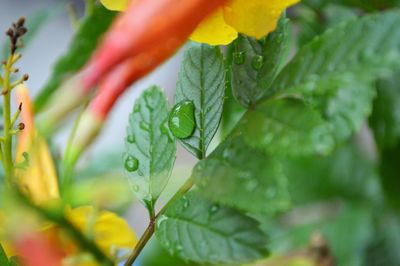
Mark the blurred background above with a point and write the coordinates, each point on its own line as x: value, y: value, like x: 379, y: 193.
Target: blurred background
x: 50, y: 42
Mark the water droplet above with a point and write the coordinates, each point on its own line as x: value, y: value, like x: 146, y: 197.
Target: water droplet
x: 271, y: 192
x: 239, y: 58
x: 130, y: 139
x: 258, y: 62
x: 178, y: 247
x: 251, y: 185
x: 136, y: 108
x: 131, y: 164
x: 181, y: 120
x: 135, y: 188
x: 214, y: 208
x: 164, y: 130
x: 160, y: 220
x: 185, y: 202
x: 144, y: 126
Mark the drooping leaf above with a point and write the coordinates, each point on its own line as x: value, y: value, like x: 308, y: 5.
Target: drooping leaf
x: 385, y: 119
x: 334, y: 72
x: 201, y: 81
x: 238, y: 176
x: 150, y: 147
x: 256, y: 63
x: 200, y: 231
x: 286, y: 127
x: 81, y: 48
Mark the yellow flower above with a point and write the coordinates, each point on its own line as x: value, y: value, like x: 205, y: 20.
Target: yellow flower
x: 115, y: 5
x: 254, y: 18
x: 110, y: 232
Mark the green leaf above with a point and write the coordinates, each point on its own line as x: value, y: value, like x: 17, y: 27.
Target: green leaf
x: 386, y: 244
x: 200, y: 231
x: 286, y: 127
x: 201, y: 81
x: 238, y: 176
x: 390, y: 176
x: 3, y: 257
x: 347, y: 229
x: 335, y: 70
x: 385, y: 119
x: 150, y: 148
x: 256, y: 63
x: 79, y: 51
x: 346, y: 174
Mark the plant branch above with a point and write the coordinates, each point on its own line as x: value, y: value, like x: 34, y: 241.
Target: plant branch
x: 151, y: 227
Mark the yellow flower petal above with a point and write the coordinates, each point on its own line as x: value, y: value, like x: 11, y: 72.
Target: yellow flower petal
x: 116, y: 5
x: 110, y: 232
x: 213, y: 30
x: 255, y: 18
x: 39, y: 179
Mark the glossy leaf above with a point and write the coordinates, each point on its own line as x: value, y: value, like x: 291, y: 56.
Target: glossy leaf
x: 80, y: 49
x: 286, y: 127
x: 150, y: 148
x: 199, y: 231
x: 385, y: 119
x: 256, y: 63
x: 238, y: 176
x: 201, y: 81
x: 334, y: 72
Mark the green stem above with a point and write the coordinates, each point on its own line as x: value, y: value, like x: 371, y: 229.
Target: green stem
x: 7, y: 144
x: 90, y: 5
x: 69, y: 166
x: 151, y: 227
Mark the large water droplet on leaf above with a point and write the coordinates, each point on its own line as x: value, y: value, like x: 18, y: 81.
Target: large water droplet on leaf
x: 258, y: 62
x: 181, y: 120
x: 239, y: 58
x: 131, y: 163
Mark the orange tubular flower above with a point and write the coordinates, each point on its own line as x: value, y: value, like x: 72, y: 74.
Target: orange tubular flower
x: 145, y: 25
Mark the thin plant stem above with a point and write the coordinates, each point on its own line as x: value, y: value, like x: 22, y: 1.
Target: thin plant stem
x: 148, y: 233
x: 69, y: 167
x: 7, y: 143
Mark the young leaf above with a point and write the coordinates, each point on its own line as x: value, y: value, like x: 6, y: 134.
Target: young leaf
x: 351, y: 55
x: 286, y: 127
x: 385, y: 119
x: 150, y: 148
x: 79, y: 51
x: 238, y: 176
x: 200, y: 231
x: 201, y: 81
x: 256, y: 63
